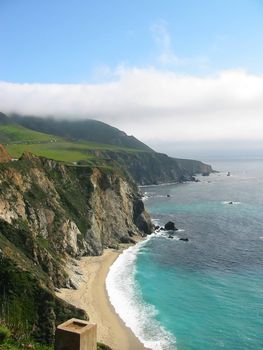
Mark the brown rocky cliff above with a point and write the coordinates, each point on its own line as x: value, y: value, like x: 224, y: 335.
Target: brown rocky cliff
x: 51, y: 214
x: 115, y: 215
x: 60, y: 212
x: 4, y: 155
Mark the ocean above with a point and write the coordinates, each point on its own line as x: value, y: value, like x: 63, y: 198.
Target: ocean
x: 206, y: 293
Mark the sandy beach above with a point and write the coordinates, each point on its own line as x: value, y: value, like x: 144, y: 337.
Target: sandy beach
x: 93, y: 298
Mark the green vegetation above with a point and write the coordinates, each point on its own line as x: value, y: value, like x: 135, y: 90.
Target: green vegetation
x: 101, y: 346
x: 86, y: 130
x: 63, y: 151
x: 12, y: 345
x: 28, y: 308
x: 30, y: 344
x: 5, y: 334
x: 64, y: 140
x: 10, y: 341
x: 18, y: 134
x: 18, y: 139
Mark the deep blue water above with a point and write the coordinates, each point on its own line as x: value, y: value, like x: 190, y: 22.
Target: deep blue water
x: 206, y: 293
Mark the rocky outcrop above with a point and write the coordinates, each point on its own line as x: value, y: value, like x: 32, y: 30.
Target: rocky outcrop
x: 141, y: 218
x: 170, y: 226
x: 72, y: 211
x: 51, y: 213
x: 147, y: 168
x: 114, y: 211
x: 193, y: 167
x: 184, y: 239
x: 4, y: 156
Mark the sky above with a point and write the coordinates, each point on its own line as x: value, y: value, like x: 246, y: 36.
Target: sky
x: 185, y: 77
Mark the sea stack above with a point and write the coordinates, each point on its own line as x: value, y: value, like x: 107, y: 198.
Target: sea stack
x: 170, y: 226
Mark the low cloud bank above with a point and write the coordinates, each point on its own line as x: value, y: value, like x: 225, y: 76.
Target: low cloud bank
x: 154, y: 105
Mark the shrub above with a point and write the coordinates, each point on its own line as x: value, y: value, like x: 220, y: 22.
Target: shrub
x: 4, y: 334
x: 101, y: 346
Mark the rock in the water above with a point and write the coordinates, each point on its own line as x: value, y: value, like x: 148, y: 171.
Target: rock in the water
x: 170, y: 226
x: 184, y: 239
x: 170, y: 236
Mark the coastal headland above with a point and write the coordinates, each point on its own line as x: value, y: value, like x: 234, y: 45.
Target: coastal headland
x: 61, y: 201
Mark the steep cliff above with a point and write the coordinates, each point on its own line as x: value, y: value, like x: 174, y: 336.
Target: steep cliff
x: 148, y: 168
x: 50, y: 214
x: 193, y: 167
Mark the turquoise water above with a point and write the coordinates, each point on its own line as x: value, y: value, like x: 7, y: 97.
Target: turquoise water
x: 206, y: 293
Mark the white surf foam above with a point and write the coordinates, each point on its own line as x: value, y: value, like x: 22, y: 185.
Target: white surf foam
x: 231, y: 202
x: 145, y: 196
x: 155, y: 221
x: 128, y: 303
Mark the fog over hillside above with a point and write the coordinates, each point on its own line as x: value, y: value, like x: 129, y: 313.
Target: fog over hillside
x: 173, y: 113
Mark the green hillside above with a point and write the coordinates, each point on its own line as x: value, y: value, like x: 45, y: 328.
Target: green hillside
x: 18, y: 134
x: 18, y: 139
x: 71, y: 147
x: 62, y: 150
x: 88, y: 130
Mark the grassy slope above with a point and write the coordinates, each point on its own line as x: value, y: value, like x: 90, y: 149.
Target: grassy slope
x: 87, y: 130
x: 15, y: 133
x: 18, y: 139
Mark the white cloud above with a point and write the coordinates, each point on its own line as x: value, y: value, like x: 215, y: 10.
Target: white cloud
x: 153, y: 105
x: 163, y: 39
x: 167, y: 56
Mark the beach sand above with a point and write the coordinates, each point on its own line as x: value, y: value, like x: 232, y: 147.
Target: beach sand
x: 93, y: 298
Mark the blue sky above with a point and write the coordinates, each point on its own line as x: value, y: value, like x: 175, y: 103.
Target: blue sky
x: 66, y: 41
x: 184, y: 76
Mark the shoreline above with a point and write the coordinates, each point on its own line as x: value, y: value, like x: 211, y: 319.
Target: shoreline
x: 92, y: 296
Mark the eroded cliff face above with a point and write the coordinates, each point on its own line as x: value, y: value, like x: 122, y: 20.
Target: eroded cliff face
x: 67, y: 211
x: 147, y: 168
x: 114, y: 217
x: 51, y: 213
